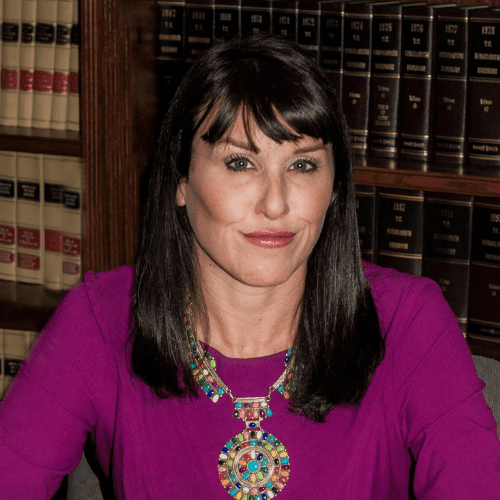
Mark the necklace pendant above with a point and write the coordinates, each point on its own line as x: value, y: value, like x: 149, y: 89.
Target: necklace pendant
x: 253, y: 465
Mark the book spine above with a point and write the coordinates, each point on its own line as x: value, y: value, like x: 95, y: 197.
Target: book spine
x: 417, y: 85
x: 8, y: 215
x: 29, y: 219
x: 11, y: 50
x: 401, y: 230
x: 14, y: 347
x: 45, y: 50
x: 357, y: 73
x: 256, y: 16
x: 170, y: 49
x: 385, y: 83
x: 72, y: 222
x: 308, y: 26
x: 1, y: 50
x: 199, y: 27
x: 451, y: 87
x: 285, y: 18
x: 331, y: 52
x: 366, y: 208
x: 73, y: 105
x: 27, y: 62
x: 484, y: 302
x: 227, y: 19
x: 484, y: 89
x: 60, y: 88
x: 447, y: 252
x: 53, y: 179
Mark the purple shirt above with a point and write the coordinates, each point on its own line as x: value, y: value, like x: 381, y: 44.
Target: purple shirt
x: 425, y: 401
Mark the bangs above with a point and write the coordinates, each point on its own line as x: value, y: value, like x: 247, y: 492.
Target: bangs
x: 285, y: 103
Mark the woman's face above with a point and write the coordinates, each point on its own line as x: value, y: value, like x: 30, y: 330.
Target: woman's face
x: 256, y: 216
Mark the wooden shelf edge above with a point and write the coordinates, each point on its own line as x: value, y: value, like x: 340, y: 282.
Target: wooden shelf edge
x: 25, y: 306
x: 421, y: 176
x: 41, y: 141
x: 484, y: 347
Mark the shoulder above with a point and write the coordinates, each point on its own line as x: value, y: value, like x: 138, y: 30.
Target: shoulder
x: 403, y: 300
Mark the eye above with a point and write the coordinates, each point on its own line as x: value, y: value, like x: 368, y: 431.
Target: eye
x: 304, y: 165
x: 237, y: 163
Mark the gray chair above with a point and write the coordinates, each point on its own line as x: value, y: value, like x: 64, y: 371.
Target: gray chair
x: 87, y: 482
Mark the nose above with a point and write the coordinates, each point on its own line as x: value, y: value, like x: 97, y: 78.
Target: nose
x: 273, y: 197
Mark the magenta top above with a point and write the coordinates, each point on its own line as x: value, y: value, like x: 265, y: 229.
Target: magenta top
x: 425, y: 403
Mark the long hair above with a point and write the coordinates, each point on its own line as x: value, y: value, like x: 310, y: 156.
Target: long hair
x: 338, y: 344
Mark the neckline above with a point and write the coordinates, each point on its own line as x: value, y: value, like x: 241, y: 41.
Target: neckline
x: 262, y: 360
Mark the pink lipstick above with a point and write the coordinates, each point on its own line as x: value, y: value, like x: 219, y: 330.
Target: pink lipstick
x: 270, y: 238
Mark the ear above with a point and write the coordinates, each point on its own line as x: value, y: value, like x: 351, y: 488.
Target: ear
x: 181, y: 193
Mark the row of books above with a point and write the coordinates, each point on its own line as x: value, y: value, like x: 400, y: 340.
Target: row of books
x: 417, y: 81
x: 14, y: 347
x: 40, y: 219
x: 39, y: 58
x: 451, y: 238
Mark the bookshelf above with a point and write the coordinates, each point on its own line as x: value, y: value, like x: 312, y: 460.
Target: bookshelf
x: 120, y: 98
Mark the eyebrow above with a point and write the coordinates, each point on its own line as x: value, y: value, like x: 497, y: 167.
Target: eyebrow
x: 246, y: 146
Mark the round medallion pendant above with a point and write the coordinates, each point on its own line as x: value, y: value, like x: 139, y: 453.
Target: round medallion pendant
x: 254, y: 465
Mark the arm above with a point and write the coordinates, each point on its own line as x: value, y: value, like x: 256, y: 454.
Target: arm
x: 53, y: 402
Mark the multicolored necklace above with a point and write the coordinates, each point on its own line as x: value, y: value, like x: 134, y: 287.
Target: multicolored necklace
x: 253, y: 465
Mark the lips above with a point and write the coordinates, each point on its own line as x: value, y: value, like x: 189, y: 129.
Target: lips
x: 270, y: 238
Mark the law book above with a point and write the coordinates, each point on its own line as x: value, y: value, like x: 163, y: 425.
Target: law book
x: 447, y: 252
x: 418, y: 80
x: 227, y: 19
x: 308, y: 27
x: 199, y: 27
x: 72, y: 222
x: 53, y: 183
x: 484, y: 88
x: 400, y: 237
x: 26, y: 62
x: 14, y: 347
x: 45, y: 49
x: 452, y: 70
x: 170, y: 49
x: 256, y: 16
x: 331, y: 51
x: 1, y: 44
x: 484, y: 301
x: 11, y: 51
x: 285, y: 17
x: 385, y: 85
x: 60, y: 88
x: 357, y: 72
x: 29, y: 219
x: 73, y: 106
x: 8, y: 215
x: 366, y: 209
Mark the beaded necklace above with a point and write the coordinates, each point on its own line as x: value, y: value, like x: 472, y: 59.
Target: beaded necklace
x: 253, y: 465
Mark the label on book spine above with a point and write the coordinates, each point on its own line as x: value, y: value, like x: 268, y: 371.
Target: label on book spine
x: 256, y: 16
x: 484, y: 88
x: 199, y: 27
x: 366, y: 213
x: 308, y: 26
x: 170, y: 25
x: 227, y: 18
x: 285, y: 17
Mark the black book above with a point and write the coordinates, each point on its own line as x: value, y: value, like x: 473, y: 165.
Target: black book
x: 331, y: 50
x: 366, y: 208
x: 400, y: 238
x: 284, y: 18
x: 385, y: 86
x: 256, y: 16
x: 308, y: 27
x: 447, y: 252
x: 227, y: 18
x: 199, y: 27
x: 484, y: 299
x: 452, y: 61
x: 417, y: 86
x: 484, y: 88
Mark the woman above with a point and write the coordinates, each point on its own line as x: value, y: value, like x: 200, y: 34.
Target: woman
x: 249, y: 352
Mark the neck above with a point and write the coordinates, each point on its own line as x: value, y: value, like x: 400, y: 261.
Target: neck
x: 250, y: 322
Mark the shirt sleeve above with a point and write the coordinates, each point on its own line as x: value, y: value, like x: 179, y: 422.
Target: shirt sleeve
x: 447, y: 426
x: 53, y: 402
